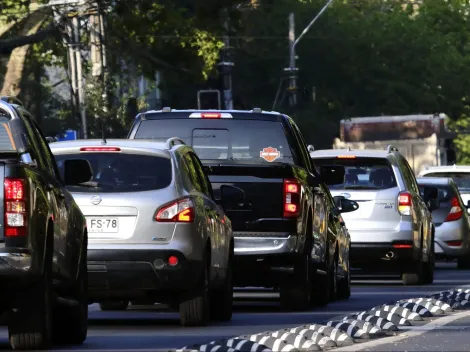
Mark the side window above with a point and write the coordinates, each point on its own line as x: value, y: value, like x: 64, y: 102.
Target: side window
x: 408, y: 175
x: 192, y: 173
x: 47, y: 154
x: 35, y: 149
x: 304, y: 151
x: 206, y: 185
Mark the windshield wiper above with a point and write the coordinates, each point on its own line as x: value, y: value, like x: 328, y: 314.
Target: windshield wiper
x: 360, y: 187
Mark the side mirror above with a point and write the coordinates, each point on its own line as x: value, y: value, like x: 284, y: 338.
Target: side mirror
x: 431, y: 197
x: 332, y: 174
x: 77, y: 171
x: 231, y: 195
x: 345, y: 205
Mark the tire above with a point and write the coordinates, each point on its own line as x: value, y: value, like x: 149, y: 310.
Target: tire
x: 30, y: 325
x: 71, y: 322
x: 344, y: 287
x: 321, y: 288
x: 196, y: 311
x: 296, y: 293
x: 221, y: 299
x: 334, y: 281
x: 463, y: 263
x: 428, y: 270
x: 109, y: 306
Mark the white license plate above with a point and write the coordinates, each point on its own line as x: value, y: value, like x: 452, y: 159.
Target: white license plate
x: 102, y: 225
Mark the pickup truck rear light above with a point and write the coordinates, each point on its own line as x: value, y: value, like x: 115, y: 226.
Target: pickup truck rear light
x: 456, y: 243
x: 14, y: 207
x: 292, y: 190
x: 455, y: 212
x: 404, y: 203
x: 210, y: 115
x: 179, y: 211
x: 100, y: 149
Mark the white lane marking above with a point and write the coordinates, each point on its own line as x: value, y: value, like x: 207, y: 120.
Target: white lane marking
x: 438, y: 323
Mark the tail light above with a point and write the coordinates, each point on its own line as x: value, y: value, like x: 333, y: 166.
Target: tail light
x: 100, y: 149
x: 404, y: 203
x: 455, y: 212
x: 456, y: 243
x: 291, y: 198
x: 15, y: 207
x: 180, y: 211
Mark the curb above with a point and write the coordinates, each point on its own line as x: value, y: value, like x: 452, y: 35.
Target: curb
x: 343, y: 333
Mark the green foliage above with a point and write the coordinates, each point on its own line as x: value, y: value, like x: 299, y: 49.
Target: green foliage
x: 12, y: 10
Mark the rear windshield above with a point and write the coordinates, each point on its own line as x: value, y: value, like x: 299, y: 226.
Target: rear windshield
x: 118, y: 172
x: 224, y: 139
x: 362, y: 173
x: 445, y: 192
x: 461, y: 179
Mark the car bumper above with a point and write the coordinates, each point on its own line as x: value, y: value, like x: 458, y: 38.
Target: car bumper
x: 18, y: 266
x: 131, y: 272
x: 452, y: 231
x: 380, y: 257
x: 264, y: 243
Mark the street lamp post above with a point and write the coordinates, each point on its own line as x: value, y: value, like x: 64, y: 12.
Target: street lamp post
x: 292, y: 69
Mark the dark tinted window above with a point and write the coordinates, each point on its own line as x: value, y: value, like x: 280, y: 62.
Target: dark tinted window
x: 224, y: 139
x: 362, y: 173
x: 119, y: 172
x: 461, y: 179
x: 445, y: 192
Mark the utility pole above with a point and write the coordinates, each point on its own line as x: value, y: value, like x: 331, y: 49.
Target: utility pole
x: 80, y: 90
x: 226, y: 65
x: 72, y: 67
x: 292, y: 69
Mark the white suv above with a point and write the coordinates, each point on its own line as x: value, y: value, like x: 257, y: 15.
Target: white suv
x: 392, y: 231
x: 460, y: 174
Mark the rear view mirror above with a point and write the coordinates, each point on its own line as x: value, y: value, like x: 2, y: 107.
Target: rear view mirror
x: 77, y: 171
x: 345, y: 205
x: 332, y: 174
x: 230, y: 195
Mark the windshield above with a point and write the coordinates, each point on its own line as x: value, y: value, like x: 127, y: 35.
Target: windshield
x: 362, y: 173
x: 461, y: 179
x: 224, y: 139
x: 121, y: 172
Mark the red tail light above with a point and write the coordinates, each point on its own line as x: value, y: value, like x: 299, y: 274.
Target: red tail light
x: 291, y: 198
x: 457, y: 243
x: 404, y: 203
x: 455, y: 212
x: 211, y: 115
x: 100, y: 149
x: 180, y: 211
x: 15, y: 207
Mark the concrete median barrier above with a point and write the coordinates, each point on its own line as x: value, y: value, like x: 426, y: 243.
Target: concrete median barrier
x: 354, y: 328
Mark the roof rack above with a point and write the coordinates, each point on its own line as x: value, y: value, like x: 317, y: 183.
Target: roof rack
x: 12, y: 100
x: 257, y: 110
x: 8, y: 109
x: 166, y: 109
x: 391, y: 149
x: 171, y: 142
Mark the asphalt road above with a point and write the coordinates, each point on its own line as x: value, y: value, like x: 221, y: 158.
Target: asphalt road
x: 154, y: 328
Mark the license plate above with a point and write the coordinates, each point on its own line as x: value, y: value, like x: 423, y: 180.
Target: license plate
x: 102, y: 225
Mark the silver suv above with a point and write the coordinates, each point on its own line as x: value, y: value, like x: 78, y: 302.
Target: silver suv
x: 392, y: 231
x: 155, y: 232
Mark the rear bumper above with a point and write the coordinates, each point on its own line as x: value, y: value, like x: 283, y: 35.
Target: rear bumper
x: 18, y: 267
x: 264, y: 243
x: 380, y: 257
x: 452, y: 231
x: 131, y: 273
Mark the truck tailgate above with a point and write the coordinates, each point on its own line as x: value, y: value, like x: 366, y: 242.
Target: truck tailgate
x: 262, y: 209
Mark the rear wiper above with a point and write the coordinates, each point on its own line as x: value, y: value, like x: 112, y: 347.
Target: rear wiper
x: 359, y: 187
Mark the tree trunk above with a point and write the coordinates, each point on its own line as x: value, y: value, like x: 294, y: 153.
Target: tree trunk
x: 16, y: 62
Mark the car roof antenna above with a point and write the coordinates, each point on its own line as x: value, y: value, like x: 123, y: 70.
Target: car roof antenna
x: 103, y: 135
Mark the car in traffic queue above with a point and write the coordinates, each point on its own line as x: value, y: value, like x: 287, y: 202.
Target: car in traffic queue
x: 155, y: 231
x: 43, y: 237
x: 452, y: 238
x: 392, y: 232
x: 460, y: 174
x: 288, y: 231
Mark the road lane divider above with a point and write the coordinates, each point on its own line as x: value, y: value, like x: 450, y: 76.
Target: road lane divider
x: 353, y: 330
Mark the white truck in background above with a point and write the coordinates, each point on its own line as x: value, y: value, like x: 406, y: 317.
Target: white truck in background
x: 423, y: 140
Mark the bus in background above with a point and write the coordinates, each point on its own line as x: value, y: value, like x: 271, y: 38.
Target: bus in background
x: 424, y: 140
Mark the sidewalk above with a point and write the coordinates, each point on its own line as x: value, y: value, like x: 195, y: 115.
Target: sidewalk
x: 450, y: 334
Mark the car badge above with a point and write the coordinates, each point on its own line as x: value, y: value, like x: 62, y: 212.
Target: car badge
x: 95, y: 200
x: 345, y: 195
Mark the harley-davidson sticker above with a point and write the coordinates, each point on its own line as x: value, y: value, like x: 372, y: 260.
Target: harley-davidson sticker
x: 270, y: 154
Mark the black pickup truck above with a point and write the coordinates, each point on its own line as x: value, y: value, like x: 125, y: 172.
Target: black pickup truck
x: 288, y: 230
x: 43, y: 238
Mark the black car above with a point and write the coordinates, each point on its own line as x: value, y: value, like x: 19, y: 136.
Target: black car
x: 288, y: 231
x: 43, y: 238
